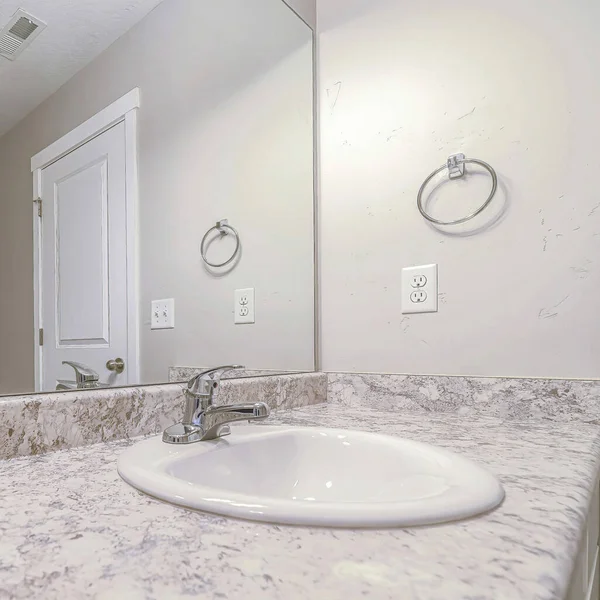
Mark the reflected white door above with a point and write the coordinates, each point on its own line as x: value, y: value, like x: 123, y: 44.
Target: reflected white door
x: 84, y: 260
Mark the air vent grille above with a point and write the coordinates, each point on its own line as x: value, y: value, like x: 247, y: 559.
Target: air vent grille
x: 9, y: 44
x: 23, y: 28
x: 19, y: 32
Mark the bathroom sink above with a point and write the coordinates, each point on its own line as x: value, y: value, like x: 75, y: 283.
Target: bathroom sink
x: 313, y: 476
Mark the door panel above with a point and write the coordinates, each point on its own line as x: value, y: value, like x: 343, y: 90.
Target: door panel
x: 82, y: 250
x: 84, y: 267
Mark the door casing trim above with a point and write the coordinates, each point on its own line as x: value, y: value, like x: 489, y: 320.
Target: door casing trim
x: 124, y: 110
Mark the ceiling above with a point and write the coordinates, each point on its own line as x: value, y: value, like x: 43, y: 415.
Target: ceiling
x: 77, y: 32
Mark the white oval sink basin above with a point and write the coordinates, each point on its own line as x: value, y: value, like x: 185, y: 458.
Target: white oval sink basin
x: 313, y: 476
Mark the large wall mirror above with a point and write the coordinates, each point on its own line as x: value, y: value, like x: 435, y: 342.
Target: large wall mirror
x: 136, y: 137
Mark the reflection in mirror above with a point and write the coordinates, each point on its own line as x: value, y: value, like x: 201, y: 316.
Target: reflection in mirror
x: 153, y: 127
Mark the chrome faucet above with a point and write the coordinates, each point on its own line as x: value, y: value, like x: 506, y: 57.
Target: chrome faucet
x: 202, y: 420
x: 85, y: 378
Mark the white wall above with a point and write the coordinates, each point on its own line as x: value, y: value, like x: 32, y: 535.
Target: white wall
x: 224, y: 131
x: 404, y: 85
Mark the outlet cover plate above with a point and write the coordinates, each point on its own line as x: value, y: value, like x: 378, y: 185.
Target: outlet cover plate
x: 420, y: 289
x: 163, y: 314
x: 243, y: 310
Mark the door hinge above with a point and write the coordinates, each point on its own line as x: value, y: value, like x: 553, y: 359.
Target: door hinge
x: 41, y: 337
x: 39, y: 205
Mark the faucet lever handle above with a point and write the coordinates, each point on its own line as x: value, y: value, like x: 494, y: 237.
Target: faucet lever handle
x: 219, y: 371
x: 205, y: 382
x: 83, y: 373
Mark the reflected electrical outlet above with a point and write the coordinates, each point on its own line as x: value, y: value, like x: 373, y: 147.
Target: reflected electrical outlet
x: 163, y: 314
x: 244, y: 306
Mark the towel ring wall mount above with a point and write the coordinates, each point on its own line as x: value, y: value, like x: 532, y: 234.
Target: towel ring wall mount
x: 456, y: 170
x: 224, y: 228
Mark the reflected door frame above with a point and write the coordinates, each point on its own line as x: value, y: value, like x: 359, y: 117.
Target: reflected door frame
x: 122, y: 110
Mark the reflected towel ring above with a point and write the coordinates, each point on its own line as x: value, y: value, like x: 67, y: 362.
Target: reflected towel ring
x: 456, y: 169
x: 222, y: 227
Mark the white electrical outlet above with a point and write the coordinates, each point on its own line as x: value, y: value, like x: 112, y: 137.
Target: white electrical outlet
x: 163, y: 314
x: 418, y: 297
x: 244, y: 306
x: 418, y: 281
x: 420, y: 289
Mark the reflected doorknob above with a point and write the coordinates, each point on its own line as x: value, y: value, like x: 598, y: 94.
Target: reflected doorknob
x: 117, y: 365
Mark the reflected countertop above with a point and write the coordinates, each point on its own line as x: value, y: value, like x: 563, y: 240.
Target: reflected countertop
x: 71, y: 528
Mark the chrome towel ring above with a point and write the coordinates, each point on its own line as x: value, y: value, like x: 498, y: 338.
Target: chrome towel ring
x: 456, y: 169
x: 223, y: 228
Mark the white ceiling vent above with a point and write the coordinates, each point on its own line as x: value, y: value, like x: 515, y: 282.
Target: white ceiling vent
x: 21, y: 30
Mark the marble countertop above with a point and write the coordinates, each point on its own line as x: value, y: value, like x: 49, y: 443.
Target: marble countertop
x: 71, y: 528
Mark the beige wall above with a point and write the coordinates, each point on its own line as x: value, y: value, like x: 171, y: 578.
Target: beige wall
x: 203, y: 69
x: 16, y: 266
x: 404, y: 85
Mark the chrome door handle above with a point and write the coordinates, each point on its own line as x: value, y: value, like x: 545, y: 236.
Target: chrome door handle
x: 117, y: 365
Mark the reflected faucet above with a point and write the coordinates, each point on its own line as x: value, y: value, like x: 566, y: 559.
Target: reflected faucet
x: 85, y: 378
x: 202, y: 421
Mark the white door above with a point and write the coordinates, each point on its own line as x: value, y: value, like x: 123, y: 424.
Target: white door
x: 84, y: 261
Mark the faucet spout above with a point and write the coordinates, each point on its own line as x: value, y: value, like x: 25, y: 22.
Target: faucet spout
x: 215, y: 420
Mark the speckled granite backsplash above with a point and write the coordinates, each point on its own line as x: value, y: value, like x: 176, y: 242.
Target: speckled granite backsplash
x: 45, y: 422
x: 184, y: 374
x: 552, y: 399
